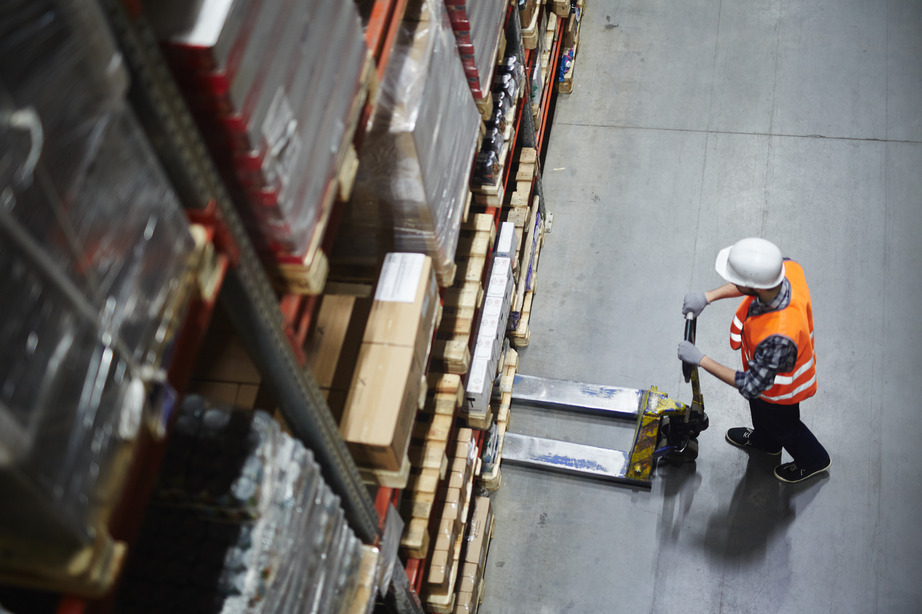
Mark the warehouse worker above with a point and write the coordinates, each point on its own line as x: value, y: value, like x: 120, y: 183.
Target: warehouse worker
x: 773, y: 327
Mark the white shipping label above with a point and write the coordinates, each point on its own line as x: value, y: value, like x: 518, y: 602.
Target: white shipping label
x: 400, y: 278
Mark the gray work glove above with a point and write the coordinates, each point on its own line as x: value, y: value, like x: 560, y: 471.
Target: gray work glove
x: 694, y: 303
x: 689, y: 353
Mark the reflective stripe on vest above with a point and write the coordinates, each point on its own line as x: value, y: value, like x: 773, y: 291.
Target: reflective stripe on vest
x: 794, y: 322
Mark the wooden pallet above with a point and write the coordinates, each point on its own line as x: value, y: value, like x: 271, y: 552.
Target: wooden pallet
x: 363, y: 590
x: 491, y: 478
x: 571, y: 41
x: 529, y: 16
x: 470, y: 585
x: 445, y: 551
x: 522, y: 333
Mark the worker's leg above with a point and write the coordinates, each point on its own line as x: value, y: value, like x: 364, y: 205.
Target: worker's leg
x: 782, y: 424
x: 763, y: 426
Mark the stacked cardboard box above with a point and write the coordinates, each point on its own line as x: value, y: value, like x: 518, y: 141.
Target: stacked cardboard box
x: 451, y: 351
x: 332, y: 347
x: 474, y: 557
x: 411, y: 187
x: 491, y: 331
x: 388, y: 386
x: 442, y: 574
x: 275, y: 107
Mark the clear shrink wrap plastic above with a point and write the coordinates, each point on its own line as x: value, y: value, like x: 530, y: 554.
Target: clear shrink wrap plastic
x: 486, y: 17
x: 242, y: 521
x: 414, y: 165
x: 94, y: 251
x: 272, y: 102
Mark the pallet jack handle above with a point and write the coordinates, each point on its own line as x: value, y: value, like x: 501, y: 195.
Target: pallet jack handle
x: 690, y: 328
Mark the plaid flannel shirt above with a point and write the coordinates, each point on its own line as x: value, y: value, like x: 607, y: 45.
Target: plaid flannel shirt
x: 776, y: 354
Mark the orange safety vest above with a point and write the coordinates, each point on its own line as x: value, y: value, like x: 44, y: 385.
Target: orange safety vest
x: 794, y: 322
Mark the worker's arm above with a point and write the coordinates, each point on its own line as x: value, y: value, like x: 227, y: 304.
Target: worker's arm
x: 695, y: 302
x: 689, y: 352
x: 727, y: 290
x: 721, y: 372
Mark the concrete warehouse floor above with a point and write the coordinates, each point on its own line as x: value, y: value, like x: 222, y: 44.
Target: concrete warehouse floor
x: 694, y: 124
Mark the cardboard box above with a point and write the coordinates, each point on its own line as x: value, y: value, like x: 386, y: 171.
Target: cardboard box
x: 381, y: 406
x: 468, y: 577
x: 405, y: 305
x: 478, y: 531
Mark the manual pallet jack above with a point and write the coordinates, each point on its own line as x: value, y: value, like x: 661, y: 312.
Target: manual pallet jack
x: 666, y: 430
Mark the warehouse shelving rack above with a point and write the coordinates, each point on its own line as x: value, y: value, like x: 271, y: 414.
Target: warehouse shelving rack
x: 270, y: 328
x: 273, y: 330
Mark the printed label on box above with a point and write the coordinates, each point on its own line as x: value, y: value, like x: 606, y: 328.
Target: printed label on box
x: 492, y: 306
x: 400, y: 278
x: 280, y: 129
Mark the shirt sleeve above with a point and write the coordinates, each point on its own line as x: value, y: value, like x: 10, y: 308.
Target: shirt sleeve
x: 776, y: 354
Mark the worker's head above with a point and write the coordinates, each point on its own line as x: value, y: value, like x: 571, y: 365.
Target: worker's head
x: 752, y: 263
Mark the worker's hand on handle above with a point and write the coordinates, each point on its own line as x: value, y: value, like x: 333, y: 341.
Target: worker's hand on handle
x: 694, y: 303
x: 689, y: 353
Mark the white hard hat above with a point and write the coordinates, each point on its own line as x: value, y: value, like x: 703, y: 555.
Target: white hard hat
x: 751, y: 263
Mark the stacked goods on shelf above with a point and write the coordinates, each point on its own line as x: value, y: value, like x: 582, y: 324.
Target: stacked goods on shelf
x: 242, y: 521
x: 224, y: 372
x: 491, y: 331
x: 474, y: 557
x: 96, y: 270
x: 333, y: 345
x: 529, y: 12
x: 477, y: 25
x: 276, y: 109
x: 411, y: 187
x: 388, y: 385
x: 492, y: 451
x: 499, y: 138
x: 451, y: 350
x: 542, y: 75
x: 569, y: 45
x: 527, y: 275
x: 453, y: 511
x: 429, y: 456
x: 451, y: 357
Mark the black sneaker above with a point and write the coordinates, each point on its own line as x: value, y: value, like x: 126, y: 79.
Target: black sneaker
x: 791, y: 473
x: 739, y: 436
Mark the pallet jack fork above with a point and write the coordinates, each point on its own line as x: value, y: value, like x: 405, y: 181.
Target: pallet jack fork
x: 666, y: 430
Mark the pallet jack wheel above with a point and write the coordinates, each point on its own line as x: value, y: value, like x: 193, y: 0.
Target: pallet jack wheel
x: 688, y: 455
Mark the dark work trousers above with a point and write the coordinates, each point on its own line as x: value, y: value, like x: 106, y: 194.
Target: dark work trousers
x: 774, y: 424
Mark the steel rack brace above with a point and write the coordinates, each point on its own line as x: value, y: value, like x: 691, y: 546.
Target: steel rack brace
x: 248, y: 297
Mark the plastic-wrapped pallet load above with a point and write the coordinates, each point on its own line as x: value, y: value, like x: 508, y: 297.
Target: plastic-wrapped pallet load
x: 414, y: 166
x: 241, y: 522
x: 93, y: 269
x: 477, y: 25
x: 273, y: 87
